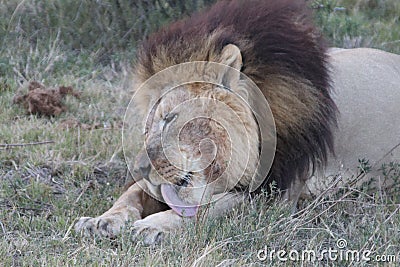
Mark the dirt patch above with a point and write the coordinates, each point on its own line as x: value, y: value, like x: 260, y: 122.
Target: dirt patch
x: 71, y: 123
x: 44, y: 101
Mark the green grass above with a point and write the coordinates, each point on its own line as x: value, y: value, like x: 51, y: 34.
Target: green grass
x: 45, y: 188
x: 360, y: 23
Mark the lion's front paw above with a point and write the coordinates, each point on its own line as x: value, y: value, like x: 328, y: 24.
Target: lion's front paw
x: 107, y: 226
x: 151, y: 234
x: 153, y: 228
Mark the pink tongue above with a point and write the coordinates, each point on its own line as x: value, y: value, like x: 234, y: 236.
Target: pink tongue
x: 169, y: 193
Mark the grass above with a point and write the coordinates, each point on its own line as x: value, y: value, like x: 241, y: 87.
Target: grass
x: 360, y: 23
x: 45, y: 188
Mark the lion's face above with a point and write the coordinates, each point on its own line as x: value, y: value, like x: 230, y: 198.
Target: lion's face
x: 201, y: 137
x: 185, y: 142
x: 191, y: 135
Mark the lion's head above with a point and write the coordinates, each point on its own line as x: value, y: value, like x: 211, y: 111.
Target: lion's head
x: 201, y: 138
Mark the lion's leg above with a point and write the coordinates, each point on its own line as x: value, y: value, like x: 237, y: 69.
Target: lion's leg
x: 153, y: 227
x: 133, y: 205
x: 293, y: 193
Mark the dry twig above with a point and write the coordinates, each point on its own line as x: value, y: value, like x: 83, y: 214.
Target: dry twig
x: 8, y: 146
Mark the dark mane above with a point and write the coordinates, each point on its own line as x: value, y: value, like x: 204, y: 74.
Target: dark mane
x: 279, y: 45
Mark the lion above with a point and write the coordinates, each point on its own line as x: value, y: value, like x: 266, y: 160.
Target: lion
x: 195, y: 132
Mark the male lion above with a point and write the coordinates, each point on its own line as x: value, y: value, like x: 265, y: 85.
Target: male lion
x: 195, y: 132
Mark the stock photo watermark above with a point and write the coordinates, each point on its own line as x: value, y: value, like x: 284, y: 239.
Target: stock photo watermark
x: 340, y: 252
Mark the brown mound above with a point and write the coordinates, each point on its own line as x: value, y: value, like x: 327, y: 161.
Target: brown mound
x: 43, y: 101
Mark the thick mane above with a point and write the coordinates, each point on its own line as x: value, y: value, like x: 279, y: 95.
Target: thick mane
x: 282, y: 53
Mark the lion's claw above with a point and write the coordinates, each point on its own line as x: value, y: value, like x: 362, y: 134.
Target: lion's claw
x: 103, y: 226
x: 149, y: 234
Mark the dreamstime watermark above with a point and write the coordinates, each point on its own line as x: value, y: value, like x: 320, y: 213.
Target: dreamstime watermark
x: 340, y: 252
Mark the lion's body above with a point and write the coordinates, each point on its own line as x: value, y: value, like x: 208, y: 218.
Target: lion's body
x: 272, y: 42
x: 366, y: 91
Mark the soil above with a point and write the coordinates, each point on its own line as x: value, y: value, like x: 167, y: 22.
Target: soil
x: 44, y: 101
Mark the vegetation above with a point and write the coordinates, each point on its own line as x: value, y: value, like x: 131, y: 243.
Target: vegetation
x: 360, y: 23
x: 45, y: 187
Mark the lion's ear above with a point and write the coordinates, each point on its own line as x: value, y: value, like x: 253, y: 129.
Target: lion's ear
x: 232, y: 57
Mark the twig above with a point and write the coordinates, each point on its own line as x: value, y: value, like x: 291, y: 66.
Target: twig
x: 7, y: 146
x: 388, y: 153
x: 86, y: 187
x: 3, y: 228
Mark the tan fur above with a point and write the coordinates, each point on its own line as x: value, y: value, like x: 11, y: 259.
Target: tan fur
x: 367, y: 93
